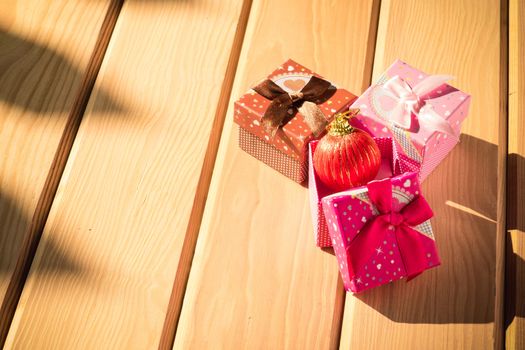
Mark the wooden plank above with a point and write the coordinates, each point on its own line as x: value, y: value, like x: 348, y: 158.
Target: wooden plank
x: 452, y: 306
x: 31, y: 237
x: 192, y: 231
x: 124, y: 202
x: 515, y: 278
x: 45, y: 56
x: 257, y: 278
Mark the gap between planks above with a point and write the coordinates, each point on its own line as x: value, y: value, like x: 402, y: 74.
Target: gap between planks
x: 514, y: 273
x: 190, y: 239
x: 501, y: 204
x: 32, y: 237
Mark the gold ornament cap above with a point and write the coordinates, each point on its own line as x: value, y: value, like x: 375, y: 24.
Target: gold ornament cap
x: 340, y: 126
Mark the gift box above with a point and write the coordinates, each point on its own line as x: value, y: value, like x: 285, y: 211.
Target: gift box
x: 381, y: 232
x: 279, y: 117
x: 317, y: 190
x: 419, y: 111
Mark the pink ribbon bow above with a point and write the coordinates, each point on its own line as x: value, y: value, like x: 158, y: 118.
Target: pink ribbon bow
x: 409, y: 241
x: 409, y: 102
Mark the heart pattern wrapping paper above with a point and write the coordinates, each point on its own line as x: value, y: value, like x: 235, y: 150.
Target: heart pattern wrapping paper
x: 318, y: 190
x: 293, y: 137
x: 387, y: 253
x: 423, y: 146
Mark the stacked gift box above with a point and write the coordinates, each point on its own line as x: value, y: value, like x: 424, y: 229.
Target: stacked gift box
x: 373, y: 213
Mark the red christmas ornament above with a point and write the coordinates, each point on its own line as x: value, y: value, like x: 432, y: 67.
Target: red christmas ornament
x: 346, y: 157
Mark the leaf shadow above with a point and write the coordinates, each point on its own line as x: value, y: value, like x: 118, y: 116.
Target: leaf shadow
x: 39, y: 79
x: 13, y: 227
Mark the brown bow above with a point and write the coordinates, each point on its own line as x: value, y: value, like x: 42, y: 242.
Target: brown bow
x: 284, y: 105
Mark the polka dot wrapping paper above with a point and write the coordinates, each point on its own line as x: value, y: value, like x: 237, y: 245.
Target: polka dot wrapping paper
x: 375, y: 245
x: 318, y: 190
x: 291, y: 140
x: 271, y: 156
x: 421, y: 147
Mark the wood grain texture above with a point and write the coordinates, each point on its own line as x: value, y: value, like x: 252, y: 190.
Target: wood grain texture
x: 31, y: 237
x: 203, y: 186
x: 515, y: 277
x: 124, y: 202
x: 45, y: 50
x: 257, y: 279
x: 452, y: 306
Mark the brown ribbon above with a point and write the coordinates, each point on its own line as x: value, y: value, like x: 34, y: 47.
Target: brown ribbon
x: 285, y: 105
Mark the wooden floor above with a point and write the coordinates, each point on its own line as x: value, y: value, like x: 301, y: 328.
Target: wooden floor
x: 130, y: 219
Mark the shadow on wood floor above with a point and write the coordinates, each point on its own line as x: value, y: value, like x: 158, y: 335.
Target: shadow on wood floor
x: 36, y: 78
x: 462, y: 289
x: 13, y: 227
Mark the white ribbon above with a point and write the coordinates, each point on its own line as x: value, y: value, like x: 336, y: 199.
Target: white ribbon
x: 408, y: 101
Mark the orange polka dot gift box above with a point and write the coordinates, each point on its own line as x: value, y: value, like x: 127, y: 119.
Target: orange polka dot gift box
x: 421, y: 112
x: 280, y: 115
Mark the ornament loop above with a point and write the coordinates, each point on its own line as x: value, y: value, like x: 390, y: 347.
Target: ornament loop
x: 350, y: 113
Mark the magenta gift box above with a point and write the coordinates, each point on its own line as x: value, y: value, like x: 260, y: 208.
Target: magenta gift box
x: 318, y: 190
x: 420, y: 144
x: 381, y: 232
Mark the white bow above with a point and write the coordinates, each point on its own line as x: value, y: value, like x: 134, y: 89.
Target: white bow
x: 408, y: 101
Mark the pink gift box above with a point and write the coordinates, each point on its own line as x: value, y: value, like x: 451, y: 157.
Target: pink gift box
x: 318, y: 190
x: 433, y: 113
x: 381, y: 232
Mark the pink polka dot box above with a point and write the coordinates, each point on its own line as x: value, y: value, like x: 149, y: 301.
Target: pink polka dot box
x: 380, y: 232
x: 421, y: 112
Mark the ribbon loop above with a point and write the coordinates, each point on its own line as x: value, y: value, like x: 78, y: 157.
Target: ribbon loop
x: 380, y: 193
x: 305, y: 101
x: 375, y: 230
x: 417, y: 212
x: 411, y: 102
